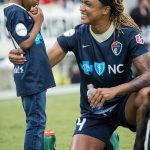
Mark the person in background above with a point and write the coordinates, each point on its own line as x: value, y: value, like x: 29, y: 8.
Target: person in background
x: 34, y: 77
x: 46, y: 1
x: 105, y: 45
x: 141, y: 15
x: 143, y: 132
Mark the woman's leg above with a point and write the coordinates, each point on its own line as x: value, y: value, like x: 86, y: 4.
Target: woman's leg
x: 134, y: 106
x: 93, y: 133
x: 84, y: 142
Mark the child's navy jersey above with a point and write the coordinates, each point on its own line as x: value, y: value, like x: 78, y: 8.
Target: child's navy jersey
x: 104, y: 64
x: 35, y: 74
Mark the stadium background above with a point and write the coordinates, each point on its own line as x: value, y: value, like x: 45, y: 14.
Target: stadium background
x: 59, y: 17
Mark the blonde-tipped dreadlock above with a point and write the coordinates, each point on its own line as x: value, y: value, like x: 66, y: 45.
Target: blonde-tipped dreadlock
x: 120, y: 18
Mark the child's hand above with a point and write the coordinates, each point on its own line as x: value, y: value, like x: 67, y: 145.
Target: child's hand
x: 36, y: 14
x: 34, y: 10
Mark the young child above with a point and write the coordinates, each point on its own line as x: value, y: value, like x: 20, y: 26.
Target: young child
x: 34, y: 77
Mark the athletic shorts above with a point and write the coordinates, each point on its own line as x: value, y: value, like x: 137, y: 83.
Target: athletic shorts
x: 102, y: 128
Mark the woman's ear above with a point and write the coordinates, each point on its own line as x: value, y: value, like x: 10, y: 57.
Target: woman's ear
x: 107, y: 10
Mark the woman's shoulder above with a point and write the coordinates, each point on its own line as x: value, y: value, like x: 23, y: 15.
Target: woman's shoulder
x: 127, y: 30
x: 129, y: 33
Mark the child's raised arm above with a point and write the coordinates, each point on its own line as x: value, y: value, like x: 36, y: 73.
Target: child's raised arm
x: 38, y: 20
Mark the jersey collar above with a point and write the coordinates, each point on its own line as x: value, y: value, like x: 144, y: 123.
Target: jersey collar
x: 106, y: 35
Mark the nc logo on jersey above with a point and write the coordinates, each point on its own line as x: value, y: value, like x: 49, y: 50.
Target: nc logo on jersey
x: 38, y: 39
x: 139, y: 39
x: 86, y: 67
x: 116, y: 47
x: 99, y: 68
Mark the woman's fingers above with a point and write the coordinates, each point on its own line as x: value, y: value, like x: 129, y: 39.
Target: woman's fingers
x: 16, y: 58
x: 96, y: 99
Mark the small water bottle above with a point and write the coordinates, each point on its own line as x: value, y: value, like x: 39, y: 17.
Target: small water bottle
x: 49, y: 140
x: 91, y: 90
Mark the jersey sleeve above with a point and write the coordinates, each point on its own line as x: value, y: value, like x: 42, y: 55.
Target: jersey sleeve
x: 136, y: 44
x: 18, y: 26
x: 67, y: 40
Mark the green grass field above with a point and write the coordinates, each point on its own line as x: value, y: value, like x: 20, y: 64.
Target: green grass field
x: 62, y: 111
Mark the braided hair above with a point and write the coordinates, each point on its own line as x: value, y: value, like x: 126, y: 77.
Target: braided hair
x: 118, y: 16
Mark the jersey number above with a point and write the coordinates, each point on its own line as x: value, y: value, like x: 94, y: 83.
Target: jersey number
x: 81, y: 123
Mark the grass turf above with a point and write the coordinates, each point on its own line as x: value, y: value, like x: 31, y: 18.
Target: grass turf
x: 62, y: 112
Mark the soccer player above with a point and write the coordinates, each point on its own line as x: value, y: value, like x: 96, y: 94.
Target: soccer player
x: 34, y: 76
x: 143, y: 132
x: 105, y: 45
x: 147, y: 136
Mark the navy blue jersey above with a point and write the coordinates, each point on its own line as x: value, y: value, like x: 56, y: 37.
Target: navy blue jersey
x: 104, y: 64
x: 35, y: 74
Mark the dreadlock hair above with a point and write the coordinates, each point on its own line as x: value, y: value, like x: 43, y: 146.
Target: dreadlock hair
x: 120, y: 18
x: 141, y: 131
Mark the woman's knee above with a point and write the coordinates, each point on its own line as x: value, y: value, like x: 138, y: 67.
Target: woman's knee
x: 141, y: 96
x: 84, y: 142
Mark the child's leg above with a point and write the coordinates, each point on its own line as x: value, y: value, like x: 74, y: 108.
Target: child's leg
x: 34, y: 107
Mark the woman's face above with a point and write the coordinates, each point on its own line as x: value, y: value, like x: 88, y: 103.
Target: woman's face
x: 92, y: 11
x: 30, y: 3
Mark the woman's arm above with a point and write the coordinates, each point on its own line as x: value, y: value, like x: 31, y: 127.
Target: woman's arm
x: 142, y: 64
x: 55, y: 54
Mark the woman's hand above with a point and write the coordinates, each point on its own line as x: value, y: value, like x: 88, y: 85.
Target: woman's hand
x: 16, y: 56
x: 100, y: 95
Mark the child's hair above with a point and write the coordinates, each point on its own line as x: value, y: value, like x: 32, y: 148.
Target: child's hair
x: 141, y: 131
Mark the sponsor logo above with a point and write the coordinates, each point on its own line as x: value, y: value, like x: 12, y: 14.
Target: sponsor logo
x: 18, y: 69
x: 99, y: 68
x: 86, y: 67
x: 83, y: 46
x: 38, y: 39
x: 115, y: 69
x: 116, y: 47
x: 139, y: 39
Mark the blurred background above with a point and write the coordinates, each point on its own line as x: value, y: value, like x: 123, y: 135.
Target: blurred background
x: 61, y: 15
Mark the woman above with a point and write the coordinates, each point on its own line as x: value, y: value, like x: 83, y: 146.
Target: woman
x: 105, y: 45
